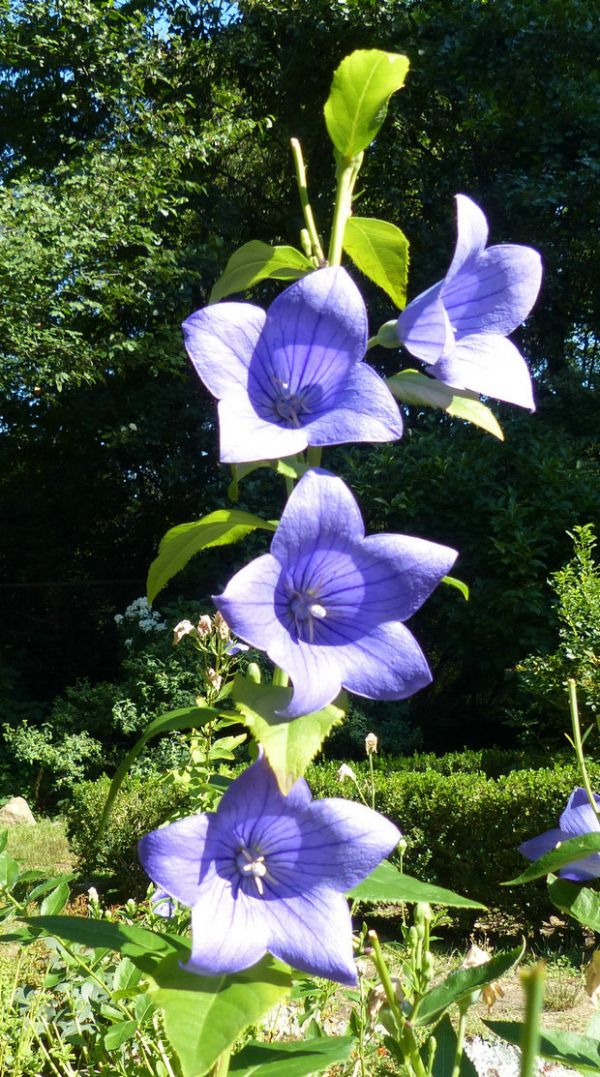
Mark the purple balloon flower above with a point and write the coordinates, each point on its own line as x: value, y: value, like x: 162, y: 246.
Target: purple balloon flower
x: 460, y: 325
x: 293, y: 376
x: 268, y: 872
x: 578, y: 818
x: 326, y: 603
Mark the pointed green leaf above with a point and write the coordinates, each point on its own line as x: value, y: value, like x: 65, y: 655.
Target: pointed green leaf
x: 458, y: 985
x: 204, y: 1015
x: 289, y: 745
x: 297, y: 1059
x: 55, y: 901
x: 119, y: 1034
x: 460, y: 586
x: 580, y: 902
x: 357, y: 104
x: 568, y: 1048
x: 418, y: 389
x: 445, y: 1052
x: 9, y: 871
x: 567, y: 852
x: 220, y: 528
x: 388, y: 884
x: 145, y: 948
x: 186, y: 718
x: 257, y: 261
x: 380, y: 251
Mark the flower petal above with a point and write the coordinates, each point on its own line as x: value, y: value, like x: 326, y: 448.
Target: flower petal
x: 342, y: 842
x: 256, y: 792
x: 220, y: 341
x: 312, y: 932
x: 533, y: 848
x: 314, y: 672
x: 386, y: 664
x: 424, y: 327
x: 176, y: 859
x: 414, y: 569
x: 495, y: 292
x: 228, y: 934
x: 579, y: 820
x: 321, y: 513
x: 579, y: 797
x: 315, y: 331
x: 247, y: 603
x: 362, y: 410
x: 244, y: 436
x: 489, y: 364
x: 472, y: 233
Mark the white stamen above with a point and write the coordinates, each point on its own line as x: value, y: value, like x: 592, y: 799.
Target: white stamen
x: 317, y: 611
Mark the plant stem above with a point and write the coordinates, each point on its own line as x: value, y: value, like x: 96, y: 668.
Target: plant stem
x: 460, y: 1041
x: 347, y: 174
x: 314, y: 455
x: 280, y: 679
x: 309, y: 219
x: 221, y: 1066
x: 533, y: 984
x: 578, y: 746
x: 372, y: 780
x: 384, y: 976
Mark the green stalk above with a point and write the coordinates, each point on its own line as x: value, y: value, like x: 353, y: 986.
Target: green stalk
x: 221, y: 1066
x: 316, y: 248
x: 280, y: 679
x: 347, y: 175
x: 533, y: 984
x: 578, y: 746
x: 460, y: 1041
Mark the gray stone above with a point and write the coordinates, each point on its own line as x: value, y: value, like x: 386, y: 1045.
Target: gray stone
x: 16, y: 810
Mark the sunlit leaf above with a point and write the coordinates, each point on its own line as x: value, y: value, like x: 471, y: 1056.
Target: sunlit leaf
x: 461, y: 983
x: 297, y: 1059
x: 580, y: 902
x: 357, y: 104
x: 451, y: 581
x: 380, y: 251
x: 568, y: 852
x: 389, y: 885
x: 418, y: 389
x: 257, y: 261
x: 568, y: 1048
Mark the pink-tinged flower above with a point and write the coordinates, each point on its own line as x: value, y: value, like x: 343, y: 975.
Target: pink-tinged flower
x: 578, y: 819
x: 293, y: 376
x: 460, y: 325
x: 268, y: 872
x: 327, y: 603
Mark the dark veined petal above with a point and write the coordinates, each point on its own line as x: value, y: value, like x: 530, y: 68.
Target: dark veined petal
x: 410, y: 569
x: 363, y: 410
x: 385, y: 664
x: 495, y: 292
x: 579, y: 797
x: 256, y: 793
x: 228, y: 933
x: 244, y: 436
x: 321, y: 513
x: 247, y: 603
x: 424, y: 327
x: 315, y: 331
x: 313, y: 932
x: 175, y: 857
x: 489, y: 364
x: 314, y: 672
x: 220, y: 341
x: 342, y: 842
x: 533, y: 848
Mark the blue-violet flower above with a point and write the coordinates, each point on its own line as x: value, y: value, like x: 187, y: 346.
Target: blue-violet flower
x: 327, y: 604
x: 578, y: 818
x: 460, y: 325
x: 268, y: 872
x: 293, y: 376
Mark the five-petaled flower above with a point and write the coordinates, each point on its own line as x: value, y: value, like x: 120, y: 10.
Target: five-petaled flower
x: 578, y: 818
x: 293, y: 376
x: 460, y: 325
x: 327, y: 604
x: 268, y: 872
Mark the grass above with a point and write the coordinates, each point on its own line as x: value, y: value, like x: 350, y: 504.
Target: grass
x: 43, y: 846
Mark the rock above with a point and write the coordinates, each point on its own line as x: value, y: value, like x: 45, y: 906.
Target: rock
x: 15, y: 811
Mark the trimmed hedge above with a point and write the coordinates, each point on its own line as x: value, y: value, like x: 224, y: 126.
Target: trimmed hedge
x: 463, y: 829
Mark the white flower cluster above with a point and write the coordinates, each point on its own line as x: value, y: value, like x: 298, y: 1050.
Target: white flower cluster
x: 139, y: 611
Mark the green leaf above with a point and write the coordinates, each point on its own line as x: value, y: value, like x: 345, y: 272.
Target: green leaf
x: 3, y: 840
x: 418, y: 389
x: 445, y: 1052
x: 289, y: 745
x: 186, y: 718
x: 579, y: 902
x: 257, y: 261
x: 460, y: 586
x: 9, y: 871
x: 357, y: 104
x: 290, y: 468
x: 145, y: 948
x: 568, y: 1048
x: 458, y: 985
x: 296, y: 1059
x: 220, y: 528
x: 204, y: 1015
x: 119, y: 1034
x: 568, y: 852
x: 55, y: 900
x: 380, y: 251
x: 388, y: 884
x: 47, y: 885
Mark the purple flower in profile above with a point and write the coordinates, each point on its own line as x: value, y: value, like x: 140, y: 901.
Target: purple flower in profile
x: 268, y: 872
x: 327, y: 604
x: 578, y: 818
x: 293, y: 376
x: 460, y: 325
x: 162, y: 904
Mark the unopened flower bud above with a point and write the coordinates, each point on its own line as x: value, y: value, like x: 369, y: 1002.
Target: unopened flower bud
x: 345, y: 772
x: 371, y: 743
x: 214, y: 679
x: 184, y: 628
x: 221, y: 626
x: 253, y: 672
x: 387, y: 336
x: 204, y: 625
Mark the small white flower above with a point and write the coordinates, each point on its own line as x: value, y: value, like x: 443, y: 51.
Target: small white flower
x: 118, y: 618
x: 221, y: 626
x: 204, y: 625
x: 184, y: 628
x: 345, y: 772
x: 214, y: 679
x: 371, y: 743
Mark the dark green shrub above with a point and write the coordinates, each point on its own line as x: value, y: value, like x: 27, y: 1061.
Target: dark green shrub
x: 110, y: 861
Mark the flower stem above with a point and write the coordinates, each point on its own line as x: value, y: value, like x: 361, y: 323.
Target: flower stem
x: 221, y: 1066
x: 347, y: 173
x: 372, y: 780
x: 317, y: 250
x: 280, y: 679
x: 384, y: 976
x: 460, y: 1041
x: 578, y: 745
x: 533, y: 981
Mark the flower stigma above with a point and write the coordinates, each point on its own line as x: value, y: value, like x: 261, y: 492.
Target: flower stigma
x: 304, y: 611
x: 252, y: 866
